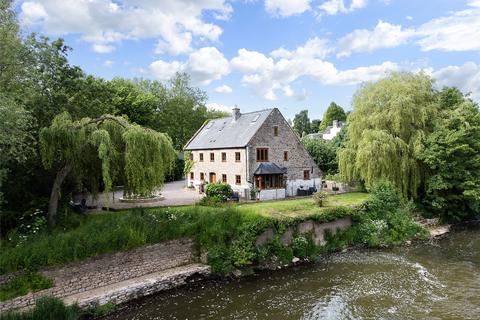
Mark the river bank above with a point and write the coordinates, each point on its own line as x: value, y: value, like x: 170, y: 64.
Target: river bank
x: 437, y: 279
x: 231, y: 240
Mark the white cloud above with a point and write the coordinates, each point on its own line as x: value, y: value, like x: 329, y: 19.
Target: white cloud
x: 459, y: 31
x: 33, y: 12
x: 385, y: 35
x: 102, y: 48
x: 332, y: 7
x: 285, y: 8
x: 363, y: 74
x: 108, y: 63
x: 248, y: 61
x: 267, y: 82
x: 164, y: 71
x: 465, y: 77
x: 313, y: 48
x: 219, y: 107
x: 204, y: 66
x: 105, y: 23
x: 409, y: 18
x: 207, y: 64
x: 223, y: 89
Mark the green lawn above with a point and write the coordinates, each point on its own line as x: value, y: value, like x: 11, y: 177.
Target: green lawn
x: 303, y: 206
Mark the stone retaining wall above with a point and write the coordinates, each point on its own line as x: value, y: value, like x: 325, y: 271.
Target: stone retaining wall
x: 108, y: 269
x: 317, y: 229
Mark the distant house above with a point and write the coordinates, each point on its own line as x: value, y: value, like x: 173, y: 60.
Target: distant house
x: 329, y: 133
x: 256, y: 149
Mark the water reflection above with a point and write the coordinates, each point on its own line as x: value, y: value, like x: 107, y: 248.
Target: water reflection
x: 438, y: 280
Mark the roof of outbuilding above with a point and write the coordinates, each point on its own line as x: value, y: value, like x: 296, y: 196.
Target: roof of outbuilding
x: 227, y: 132
x: 269, y: 168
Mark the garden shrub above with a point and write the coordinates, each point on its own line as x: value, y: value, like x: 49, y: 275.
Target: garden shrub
x: 218, y: 189
x: 320, y: 198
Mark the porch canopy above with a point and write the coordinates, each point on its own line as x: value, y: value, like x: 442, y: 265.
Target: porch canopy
x: 269, y: 176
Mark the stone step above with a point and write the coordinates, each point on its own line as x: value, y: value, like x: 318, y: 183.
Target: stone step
x: 130, y: 289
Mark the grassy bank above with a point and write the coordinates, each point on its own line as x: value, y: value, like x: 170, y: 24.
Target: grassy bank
x: 227, y: 233
x: 22, y: 284
x: 45, y: 309
x: 112, y: 232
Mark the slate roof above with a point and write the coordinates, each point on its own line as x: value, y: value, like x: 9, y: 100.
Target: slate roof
x: 227, y: 133
x: 269, y: 168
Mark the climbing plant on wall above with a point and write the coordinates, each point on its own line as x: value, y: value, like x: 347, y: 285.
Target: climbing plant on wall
x: 107, y: 148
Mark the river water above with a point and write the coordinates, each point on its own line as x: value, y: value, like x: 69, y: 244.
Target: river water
x: 436, y: 280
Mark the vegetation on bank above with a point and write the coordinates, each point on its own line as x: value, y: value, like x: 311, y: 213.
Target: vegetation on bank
x: 46, y: 308
x: 424, y: 141
x: 22, y: 284
x: 227, y: 233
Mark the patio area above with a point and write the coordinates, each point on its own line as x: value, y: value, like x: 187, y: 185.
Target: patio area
x: 174, y: 194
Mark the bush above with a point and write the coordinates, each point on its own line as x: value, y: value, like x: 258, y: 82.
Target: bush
x: 320, y: 198
x: 219, y: 190
x: 383, y: 198
x: 385, y: 220
x: 22, y: 284
x: 46, y: 308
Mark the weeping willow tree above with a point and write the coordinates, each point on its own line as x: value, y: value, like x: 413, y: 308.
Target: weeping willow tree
x: 386, y: 131
x: 107, y: 148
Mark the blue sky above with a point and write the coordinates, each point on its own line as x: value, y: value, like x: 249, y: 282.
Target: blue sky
x: 290, y: 54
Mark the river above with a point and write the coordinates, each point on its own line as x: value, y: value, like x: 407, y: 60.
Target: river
x: 436, y: 280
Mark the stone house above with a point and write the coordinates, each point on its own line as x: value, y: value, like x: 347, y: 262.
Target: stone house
x: 252, y: 150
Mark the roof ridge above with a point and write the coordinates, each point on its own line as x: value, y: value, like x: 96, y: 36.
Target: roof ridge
x: 263, y: 110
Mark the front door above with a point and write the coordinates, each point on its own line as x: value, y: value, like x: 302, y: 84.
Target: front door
x: 213, y: 177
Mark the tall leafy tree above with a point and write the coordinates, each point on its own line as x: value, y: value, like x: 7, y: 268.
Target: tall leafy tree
x: 106, y: 147
x: 323, y: 153
x: 183, y: 112
x: 315, y: 125
x: 452, y: 154
x: 334, y: 112
x: 17, y: 142
x: 386, y: 129
x: 301, y: 123
x: 12, y: 51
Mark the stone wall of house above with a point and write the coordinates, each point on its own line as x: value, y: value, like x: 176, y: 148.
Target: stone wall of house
x: 229, y: 167
x: 286, y: 140
x: 108, y: 269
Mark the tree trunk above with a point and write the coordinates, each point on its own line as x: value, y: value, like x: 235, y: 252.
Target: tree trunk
x: 55, y: 195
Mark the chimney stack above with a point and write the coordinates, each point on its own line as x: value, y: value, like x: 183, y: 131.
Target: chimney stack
x: 335, y: 123
x: 236, y: 113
